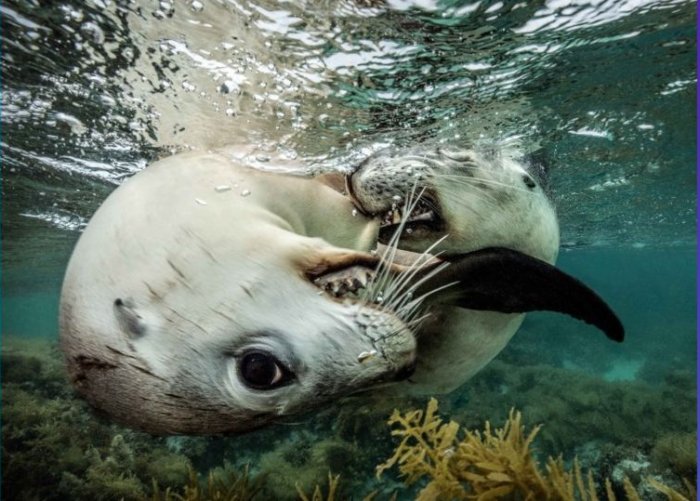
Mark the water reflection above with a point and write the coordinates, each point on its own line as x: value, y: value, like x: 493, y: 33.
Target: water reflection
x: 95, y: 90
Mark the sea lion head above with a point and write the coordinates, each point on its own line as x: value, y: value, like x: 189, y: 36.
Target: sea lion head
x: 476, y: 197
x: 487, y: 212
x: 192, y: 309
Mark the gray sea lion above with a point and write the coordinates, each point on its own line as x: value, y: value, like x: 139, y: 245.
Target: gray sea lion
x: 490, y: 213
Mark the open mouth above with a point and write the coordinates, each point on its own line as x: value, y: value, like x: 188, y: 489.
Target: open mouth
x: 423, y: 212
x: 423, y: 215
x: 387, y: 286
x: 346, y: 283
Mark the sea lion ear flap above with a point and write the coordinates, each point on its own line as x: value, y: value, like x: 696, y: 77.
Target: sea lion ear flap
x: 499, y: 279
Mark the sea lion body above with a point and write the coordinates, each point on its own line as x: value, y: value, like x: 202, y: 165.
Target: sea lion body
x: 198, y: 260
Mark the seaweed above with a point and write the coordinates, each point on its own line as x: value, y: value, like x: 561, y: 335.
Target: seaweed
x: 222, y: 484
x: 493, y: 464
x: 677, y: 451
x: 318, y: 492
x: 55, y: 448
x: 299, y: 462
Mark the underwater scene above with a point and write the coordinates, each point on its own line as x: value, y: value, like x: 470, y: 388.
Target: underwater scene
x: 604, y: 91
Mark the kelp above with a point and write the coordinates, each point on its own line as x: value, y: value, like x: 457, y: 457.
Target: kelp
x: 54, y: 448
x: 493, y: 464
x: 318, y: 492
x: 222, y: 484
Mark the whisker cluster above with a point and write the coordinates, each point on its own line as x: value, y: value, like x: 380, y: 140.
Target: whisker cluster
x: 395, y: 291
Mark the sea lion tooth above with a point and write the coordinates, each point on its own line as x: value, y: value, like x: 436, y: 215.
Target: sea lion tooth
x: 366, y: 355
x: 346, y: 280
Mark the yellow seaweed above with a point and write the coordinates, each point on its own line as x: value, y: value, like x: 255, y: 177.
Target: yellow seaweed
x: 490, y: 465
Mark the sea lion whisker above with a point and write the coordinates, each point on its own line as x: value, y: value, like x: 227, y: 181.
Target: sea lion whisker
x: 474, y: 181
x: 407, y: 276
x: 395, y: 288
x: 383, y: 277
x: 480, y: 191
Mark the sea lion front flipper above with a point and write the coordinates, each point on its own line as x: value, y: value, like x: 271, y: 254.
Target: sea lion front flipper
x: 504, y: 280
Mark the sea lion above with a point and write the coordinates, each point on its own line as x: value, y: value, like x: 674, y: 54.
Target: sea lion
x: 489, y: 212
x: 189, y: 303
x: 208, y: 297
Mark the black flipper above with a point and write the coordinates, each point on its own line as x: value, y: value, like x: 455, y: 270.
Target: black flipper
x: 499, y: 279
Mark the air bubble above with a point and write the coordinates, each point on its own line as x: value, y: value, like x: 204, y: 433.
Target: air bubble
x: 93, y: 32
x: 228, y: 87
x: 107, y: 100
x: 76, y: 126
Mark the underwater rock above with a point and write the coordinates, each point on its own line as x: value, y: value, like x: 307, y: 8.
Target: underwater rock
x: 577, y: 407
x: 635, y: 469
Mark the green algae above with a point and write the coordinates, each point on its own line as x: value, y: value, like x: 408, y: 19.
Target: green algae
x: 55, y: 447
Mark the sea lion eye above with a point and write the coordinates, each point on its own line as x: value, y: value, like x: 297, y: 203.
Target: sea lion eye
x: 529, y: 182
x: 262, y: 371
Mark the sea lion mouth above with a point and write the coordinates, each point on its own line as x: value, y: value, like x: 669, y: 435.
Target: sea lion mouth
x: 424, y: 214
x: 347, y: 282
x: 386, y: 284
x: 409, y: 214
x: 423, y: 207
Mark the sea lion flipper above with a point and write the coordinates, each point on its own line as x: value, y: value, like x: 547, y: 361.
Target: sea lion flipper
x: 499, y: 279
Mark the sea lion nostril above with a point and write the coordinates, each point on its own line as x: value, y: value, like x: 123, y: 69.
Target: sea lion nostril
x: 529, y: 182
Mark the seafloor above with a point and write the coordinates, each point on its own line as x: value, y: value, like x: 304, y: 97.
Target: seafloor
x: 55, y: 448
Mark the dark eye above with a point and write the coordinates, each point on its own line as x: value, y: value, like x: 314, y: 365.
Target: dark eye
x: 262, y: 371
x: 529, y: 182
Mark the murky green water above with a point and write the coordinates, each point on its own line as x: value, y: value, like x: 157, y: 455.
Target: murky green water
x: 95, y: 90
